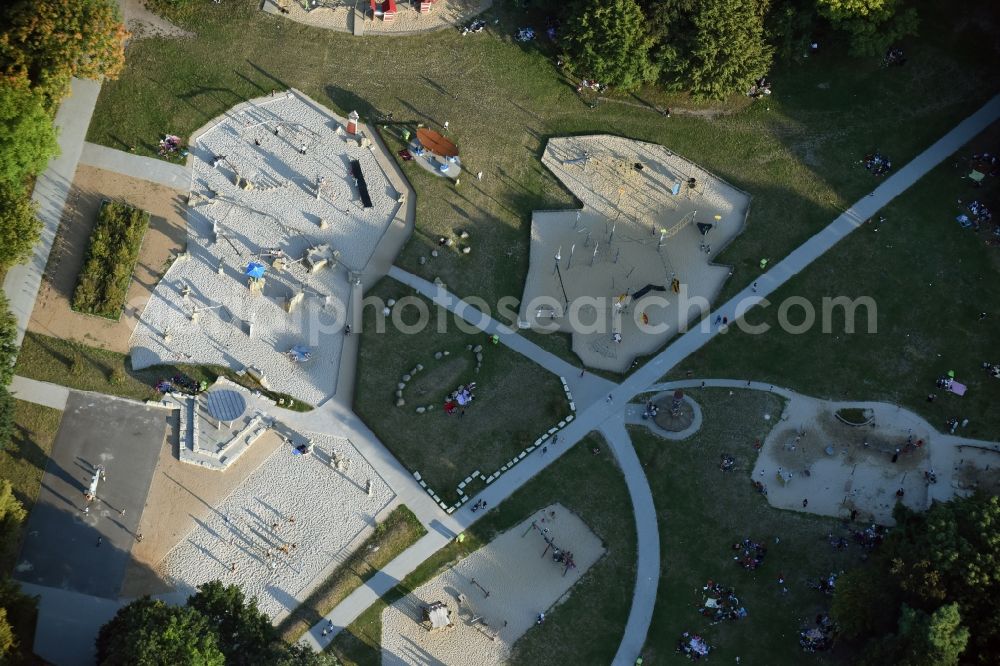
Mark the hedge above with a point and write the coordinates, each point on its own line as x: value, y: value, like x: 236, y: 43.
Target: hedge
x: 102, y: 286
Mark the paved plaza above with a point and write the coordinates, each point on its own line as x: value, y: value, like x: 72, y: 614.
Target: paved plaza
x: 88, y: 552
x: 280, y: 183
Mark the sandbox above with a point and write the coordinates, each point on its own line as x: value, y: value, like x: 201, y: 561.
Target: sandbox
x: 278, y: 182
x: 359, y: 19
x: 635, y: 264
x: 503, y: 587
x: 279, y: 530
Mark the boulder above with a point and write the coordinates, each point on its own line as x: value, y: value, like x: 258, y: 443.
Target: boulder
x: 407, y: 378
x: 401, y: 385
x: 421, y: 410
x: 438, y: 355
x: 477, y: 349
x: 400, y: 402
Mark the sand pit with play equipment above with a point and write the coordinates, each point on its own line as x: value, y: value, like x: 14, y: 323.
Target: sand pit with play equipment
x: 493, y: 596
x: 279, y: 531
x: 635, y: 263
x: 837, y: 468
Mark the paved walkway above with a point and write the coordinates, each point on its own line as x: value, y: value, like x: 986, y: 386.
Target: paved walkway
x: 51, y: 190
x: 647, y: 569
x: 40, y: 393
x: 135, y: 166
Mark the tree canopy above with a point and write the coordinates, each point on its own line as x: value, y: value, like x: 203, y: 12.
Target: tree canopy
x: 607, y: 40
x: 148, y: 632
x: 934, y: 583
x: 218, y: 625
x: 871, y: 25
x: 19, y: 227
x: 27, y: 138
x: 244, y: 633
x: 721, y: 51
x: 48, y: 42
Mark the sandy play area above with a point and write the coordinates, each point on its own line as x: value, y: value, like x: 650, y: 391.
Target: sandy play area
x: 341, y: 16
x: 502, y: 586
x: 278, y: 531
x: 851, y: 467
x: 278, y: 184
x: 163, y: 240
x: 605, y: 273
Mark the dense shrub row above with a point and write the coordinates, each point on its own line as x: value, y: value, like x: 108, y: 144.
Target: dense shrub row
x: 103, y: 282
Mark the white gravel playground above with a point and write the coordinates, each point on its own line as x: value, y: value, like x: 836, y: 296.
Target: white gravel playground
x: 265, y: 197
x: 522, y: 580
x: 284, y: 527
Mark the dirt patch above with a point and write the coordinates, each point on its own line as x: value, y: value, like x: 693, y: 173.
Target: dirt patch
x: 143, y: 23
x: 667, y: 421
x: 180, y: 496
x: 165, y: 237
x: 978, y: 478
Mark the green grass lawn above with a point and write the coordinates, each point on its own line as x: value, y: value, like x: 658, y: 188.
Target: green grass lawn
x: 702, y: 511
x: 585, y: 628
x: 516, y: 400
x: 796, y: 152
x: 930, y: 280
x: 400, y: 530
x: 86, y: 368
x: 22, y: 462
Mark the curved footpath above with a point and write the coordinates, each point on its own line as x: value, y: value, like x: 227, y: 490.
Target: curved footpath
x: 600, y: 402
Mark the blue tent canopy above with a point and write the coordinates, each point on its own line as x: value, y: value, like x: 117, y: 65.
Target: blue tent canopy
x: 255, y: 270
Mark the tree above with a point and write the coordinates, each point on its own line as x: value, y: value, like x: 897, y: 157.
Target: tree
x: 148, y: 632
x: 8, y: 641
x: 245, y: 634
x: 931, y: 640
x: 19, y: 227
x: 300, y: 655
x: 722, y: 53
x: 27, y: 138
x: 607, y: 40
x: 871, y: 25
x: 50, y: 41
x: 949, y: 555
x: 8, y: 342
x: 10, y: 508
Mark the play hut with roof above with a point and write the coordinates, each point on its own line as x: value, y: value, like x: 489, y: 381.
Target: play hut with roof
x: 437, y: 617
x: 436, y: 153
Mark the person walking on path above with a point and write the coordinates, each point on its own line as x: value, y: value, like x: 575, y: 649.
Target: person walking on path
x: 479, y: 176
x: 610, y: 397
x: 754, y: 287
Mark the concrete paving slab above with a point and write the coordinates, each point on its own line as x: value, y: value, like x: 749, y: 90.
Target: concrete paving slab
x: 87, y: 552
x: 175, y: 176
